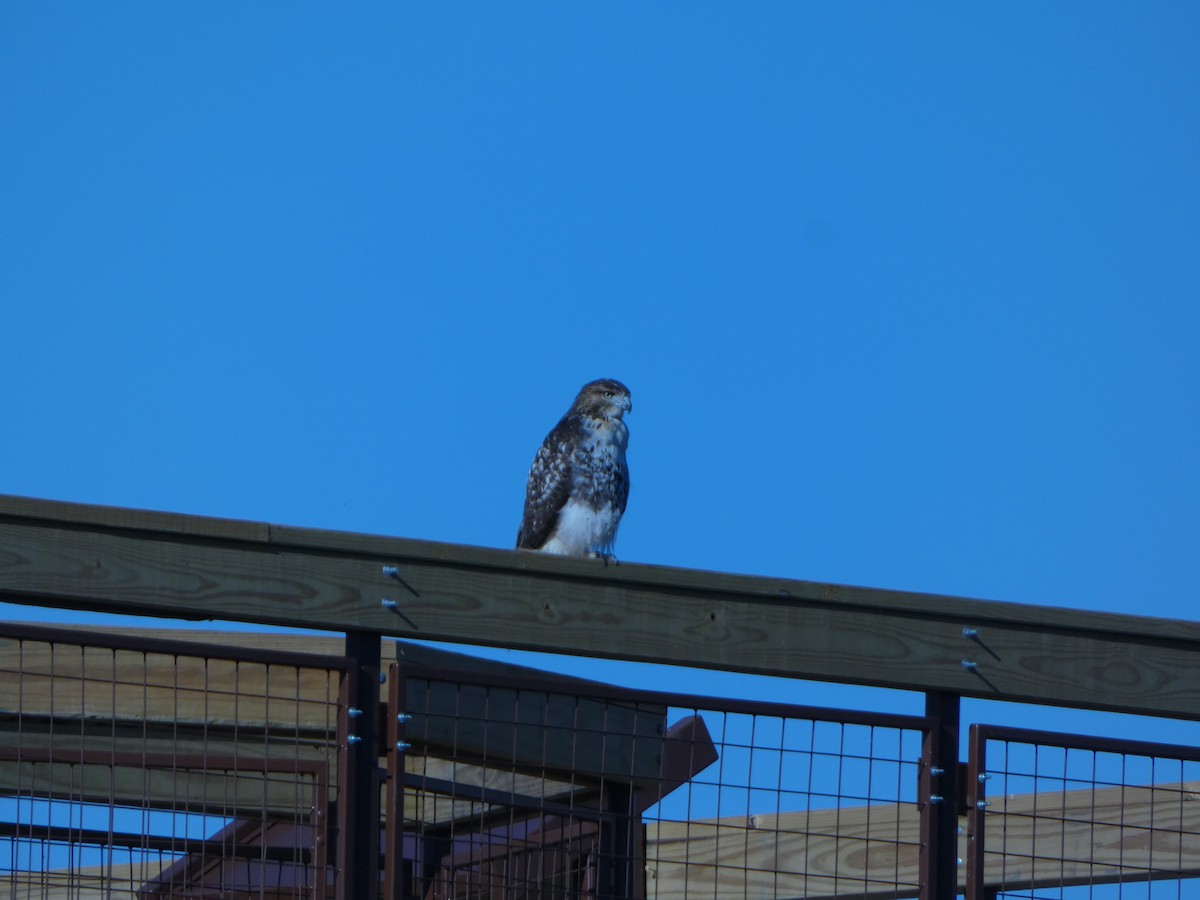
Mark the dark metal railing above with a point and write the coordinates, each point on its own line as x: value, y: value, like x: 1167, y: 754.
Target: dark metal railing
x: 145, y: 766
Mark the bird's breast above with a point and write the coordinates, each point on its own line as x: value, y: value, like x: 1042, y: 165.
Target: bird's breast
x: 582, y: 528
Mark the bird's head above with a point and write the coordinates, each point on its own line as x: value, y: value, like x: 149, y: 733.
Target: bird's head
x: 606, y: 398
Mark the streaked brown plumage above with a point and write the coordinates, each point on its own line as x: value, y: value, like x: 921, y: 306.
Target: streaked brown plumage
x: 578, y: 484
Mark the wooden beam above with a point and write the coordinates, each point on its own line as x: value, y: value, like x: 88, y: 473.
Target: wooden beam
x: 1126, y: 833
x: 184, y: 566
x: 86, y: 883
x: 205, y: 785
x: 539, y: 731
x: 123, y: 699
x: 864, y: 851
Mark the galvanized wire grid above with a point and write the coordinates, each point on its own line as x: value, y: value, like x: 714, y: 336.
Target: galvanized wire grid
x: 520, y: 788
x: 793, y: 806
x: 133, y: 767
x: 140, y: 768
x: 1060, y: 817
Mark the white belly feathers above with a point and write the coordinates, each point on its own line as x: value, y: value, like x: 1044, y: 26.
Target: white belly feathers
x: 581, y: 529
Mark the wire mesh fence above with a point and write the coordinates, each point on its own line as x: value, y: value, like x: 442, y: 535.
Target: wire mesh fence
x: 1060, y: 817
x: 141, y: 767
x: 145, y: 768
x: 521, y: 788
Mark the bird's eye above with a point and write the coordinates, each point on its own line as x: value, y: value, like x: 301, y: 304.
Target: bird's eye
x: 608, y: 393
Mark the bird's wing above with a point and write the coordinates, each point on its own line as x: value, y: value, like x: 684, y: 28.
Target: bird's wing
x: 548, y: 487
x: 623, y: 486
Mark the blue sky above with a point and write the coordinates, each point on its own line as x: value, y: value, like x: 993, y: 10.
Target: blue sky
x: 907, y: 295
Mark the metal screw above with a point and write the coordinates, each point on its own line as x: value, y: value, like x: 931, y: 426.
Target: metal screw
x: 984, y: 776
x: 354, y: 712
x: 969, y: 633
x: 391, y: 571
x: 403, y: 717
x: 353, y: 739
x: 402, y: 745
x: 935, y: 799
x: 983, y: 804
x: 935, y: 771
x: 970, y: 665
x: 387, y: 604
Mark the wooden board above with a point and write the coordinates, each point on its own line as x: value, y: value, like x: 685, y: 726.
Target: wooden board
x: 1032, y: 841
x: 1081, y: 837
x: 539, y: 731
x: 857, y: 851
x: 439, y: 807
x: 221, y: 788
x: 126, y: 698
x: 122, y: 560
x: 106, y: 882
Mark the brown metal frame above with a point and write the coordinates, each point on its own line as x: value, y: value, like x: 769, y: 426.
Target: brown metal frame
x: 395, y: 749
x: 319, y: 814
x: 613, y: 812
x: 618, y: 812
x: 978, y: 777
x: 358, y: 793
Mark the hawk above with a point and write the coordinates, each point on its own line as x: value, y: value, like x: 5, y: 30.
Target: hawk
x: 579, y: 481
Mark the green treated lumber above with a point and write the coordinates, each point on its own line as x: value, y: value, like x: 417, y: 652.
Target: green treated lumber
x: 171, y: 565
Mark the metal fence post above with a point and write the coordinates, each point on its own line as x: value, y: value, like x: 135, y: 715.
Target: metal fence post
x: 976, y: 798
x: 358, y: 798
x: 394, y: 868
x: 939, y: 798
x: 618, y: 865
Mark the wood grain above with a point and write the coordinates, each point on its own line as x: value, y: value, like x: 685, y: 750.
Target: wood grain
x: 1033, y: 841
x: 115, y: 881
x: 213, y: 792
x: 121, y: 560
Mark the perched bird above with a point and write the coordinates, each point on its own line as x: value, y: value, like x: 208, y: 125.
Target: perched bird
x: 579, y: 481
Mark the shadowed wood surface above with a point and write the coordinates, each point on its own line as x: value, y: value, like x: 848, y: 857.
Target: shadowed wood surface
x: 222, y: 788
x: 118, y: 881
x: 1038, y: 840
x: 172, y: 565
x: 124, y: 700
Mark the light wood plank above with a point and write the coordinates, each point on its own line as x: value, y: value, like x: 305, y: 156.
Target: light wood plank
x: 116, y: 882
x: 216, y: 790
x: 1032, y: 841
